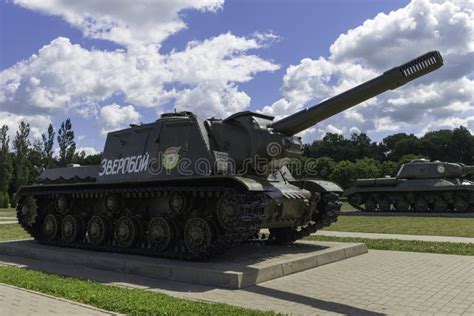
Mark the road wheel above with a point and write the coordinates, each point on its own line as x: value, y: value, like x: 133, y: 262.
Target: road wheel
x: 401, y: 205
x: 198, y: 235
x: 127, y: 232
x: 161, y: 233
x: 98, y: 230
x: 370, y: 205
x: 420, y: 204
x: 72, y: 229
x: 440, y: 205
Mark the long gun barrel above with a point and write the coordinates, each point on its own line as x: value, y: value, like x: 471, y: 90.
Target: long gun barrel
x: 468, y: 170
x: 389, y: 80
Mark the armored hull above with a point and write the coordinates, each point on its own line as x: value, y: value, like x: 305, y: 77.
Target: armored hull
x: 420, y: 186
x: 187, y: 188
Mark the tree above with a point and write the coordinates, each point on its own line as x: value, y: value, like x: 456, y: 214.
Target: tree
x: 48, y: 143
x: 388, y: 168
x: 21, y: 145
x: 6, y: 168
x: 367, y: 168
x: 67, y: 146
x: 344, y: 173
x: 463, y: 145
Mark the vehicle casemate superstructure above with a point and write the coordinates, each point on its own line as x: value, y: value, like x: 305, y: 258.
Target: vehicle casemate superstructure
x: 186, y: 188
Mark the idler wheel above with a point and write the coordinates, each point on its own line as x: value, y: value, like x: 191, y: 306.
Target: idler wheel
x: 178, y: 203
x: 228, y: 212
x: 98, y: 230
x: 51, y: 227
x: 402, y: 205
x: 127, y: 232
x: 161, y: 233
x: 198, y: 235
x: 420, y: 205
x: 72, y: 229
x: 29, y: 211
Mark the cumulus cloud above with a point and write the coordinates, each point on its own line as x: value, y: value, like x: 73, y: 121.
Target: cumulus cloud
x: 115, y: 116
x: 38, y: 123
x: 130, y: 23
x: 87, y: 150
x: 64, y: 77
x: 441, y: 99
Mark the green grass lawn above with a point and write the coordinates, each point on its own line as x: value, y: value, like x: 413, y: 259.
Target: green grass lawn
x: 410, y: 225
x: 406, y: 245
x: 12, y: 232
x: 346, y: 207
x: 116, y: 299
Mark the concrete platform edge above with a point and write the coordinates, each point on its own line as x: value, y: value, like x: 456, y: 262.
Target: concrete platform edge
x: 214, y: 274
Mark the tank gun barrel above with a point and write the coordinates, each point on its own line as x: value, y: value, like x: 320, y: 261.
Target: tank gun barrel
x: 389, y: 80
x: 468, y: 170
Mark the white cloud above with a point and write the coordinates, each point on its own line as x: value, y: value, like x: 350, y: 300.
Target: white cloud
x: 115, y: 116
x: 38, y: 123
x: 87, y: 150
x: 443, y: 98
x: 130, y: 23
x: 64, y: 77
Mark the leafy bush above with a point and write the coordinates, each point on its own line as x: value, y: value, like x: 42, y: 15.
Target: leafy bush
x: 13, y: 201
x: 4, y: 200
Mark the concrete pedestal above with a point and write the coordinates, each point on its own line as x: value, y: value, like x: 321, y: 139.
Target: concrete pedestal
x: 240, y: 267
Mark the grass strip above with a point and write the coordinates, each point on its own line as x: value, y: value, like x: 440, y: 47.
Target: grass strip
x: 409, y: 225
x: 12, y: 232
x: 112, y: 298
x: 406, y: 245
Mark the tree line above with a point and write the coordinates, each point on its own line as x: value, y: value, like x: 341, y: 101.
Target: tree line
x: 334, y: 157
x: 21, y: 164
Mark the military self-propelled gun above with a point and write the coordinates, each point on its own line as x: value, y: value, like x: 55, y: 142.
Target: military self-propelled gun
x: 186, y: 188
x: 420, y: 185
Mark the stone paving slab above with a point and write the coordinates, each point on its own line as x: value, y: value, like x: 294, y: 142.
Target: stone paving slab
x: 462, y: 240
x: 377, y: 283
x: 16, y: 301
x: 8, y: 222
x: 240, y: 267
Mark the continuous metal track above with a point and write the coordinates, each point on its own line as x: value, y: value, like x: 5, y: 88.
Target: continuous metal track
x: 419, y: 202
x: 251, y: 207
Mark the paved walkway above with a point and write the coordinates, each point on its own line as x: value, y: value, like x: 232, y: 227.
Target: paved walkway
x: 8, y: 222
x: 462, y: 240
x: 380, y: 282
x: 15, y: 301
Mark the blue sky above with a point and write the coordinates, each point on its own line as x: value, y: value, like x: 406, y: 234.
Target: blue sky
x: 293, y: 31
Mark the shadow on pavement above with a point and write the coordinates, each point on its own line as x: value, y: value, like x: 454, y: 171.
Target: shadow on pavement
x: 310, y: 301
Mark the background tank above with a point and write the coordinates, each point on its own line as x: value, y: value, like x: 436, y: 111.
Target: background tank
x: 187, y: 188
x: 420, y: 186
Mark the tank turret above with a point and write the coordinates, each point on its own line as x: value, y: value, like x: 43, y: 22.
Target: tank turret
x: 425, y: 169
x: 186, y: 188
